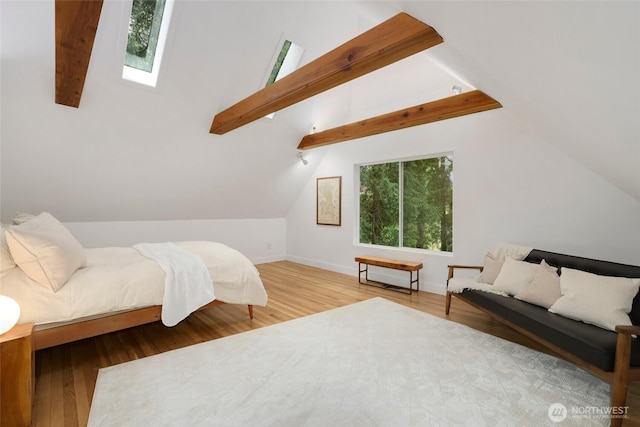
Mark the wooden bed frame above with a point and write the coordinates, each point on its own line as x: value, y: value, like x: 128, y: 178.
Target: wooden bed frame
x: 63, y: 334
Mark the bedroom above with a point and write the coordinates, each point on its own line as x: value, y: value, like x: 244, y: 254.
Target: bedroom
x: 137, y: 164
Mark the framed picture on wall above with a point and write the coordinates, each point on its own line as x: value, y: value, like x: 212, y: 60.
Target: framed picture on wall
x: 329, y: 200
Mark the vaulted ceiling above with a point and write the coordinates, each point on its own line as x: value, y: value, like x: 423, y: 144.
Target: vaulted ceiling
x: 567, y: 70
x: 393, y: 40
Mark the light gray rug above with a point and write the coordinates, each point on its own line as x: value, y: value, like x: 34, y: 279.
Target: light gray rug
x: 374, y: 363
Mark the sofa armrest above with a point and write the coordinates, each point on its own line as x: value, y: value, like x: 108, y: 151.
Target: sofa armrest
x: 628, y: 329
x: 453, y: 267
x: 621, y: 367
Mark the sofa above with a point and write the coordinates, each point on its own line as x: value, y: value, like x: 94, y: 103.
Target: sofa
x: 611, y: 351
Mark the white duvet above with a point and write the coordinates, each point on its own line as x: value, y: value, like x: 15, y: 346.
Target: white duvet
x: 117, y: 279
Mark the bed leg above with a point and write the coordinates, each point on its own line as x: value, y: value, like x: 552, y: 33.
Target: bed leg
x: 250, y: 311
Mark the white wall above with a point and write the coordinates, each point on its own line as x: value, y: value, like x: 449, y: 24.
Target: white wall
x: 261, y: 240
x: 509, y: 186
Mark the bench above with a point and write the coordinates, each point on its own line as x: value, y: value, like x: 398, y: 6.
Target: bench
x: 395, y: 264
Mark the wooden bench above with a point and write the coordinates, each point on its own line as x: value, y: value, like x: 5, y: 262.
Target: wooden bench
x: 395, y: 264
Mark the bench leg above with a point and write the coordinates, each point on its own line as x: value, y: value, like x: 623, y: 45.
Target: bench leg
x: 447, y: 304
x: 250, y: 311
x: 365, y: 271
x: 412, y: 281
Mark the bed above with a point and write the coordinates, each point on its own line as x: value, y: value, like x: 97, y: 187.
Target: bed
x: 113, y: 288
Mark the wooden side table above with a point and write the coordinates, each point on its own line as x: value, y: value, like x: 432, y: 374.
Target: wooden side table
x: 16, y: 376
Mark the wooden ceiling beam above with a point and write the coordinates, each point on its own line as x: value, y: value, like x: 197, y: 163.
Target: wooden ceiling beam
x: 391, y: 41
x: 442, y: 109
x: 76, y: 27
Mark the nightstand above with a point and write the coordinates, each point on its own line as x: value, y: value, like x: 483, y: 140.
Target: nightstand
x: 16, y: 375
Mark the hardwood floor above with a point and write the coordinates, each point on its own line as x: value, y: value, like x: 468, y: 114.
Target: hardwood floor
x: 66, y: 375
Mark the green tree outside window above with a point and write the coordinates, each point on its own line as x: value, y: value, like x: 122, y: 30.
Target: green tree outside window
x: 408, y: 204
x: 144, y: 29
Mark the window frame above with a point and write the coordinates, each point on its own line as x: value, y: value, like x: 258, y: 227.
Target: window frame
x: 400, y: 247
x: 290, y: 63
x: 141, y: 77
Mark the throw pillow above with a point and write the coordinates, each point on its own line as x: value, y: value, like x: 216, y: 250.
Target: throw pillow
x: 599, y: 300
x: 515, y: 276
x: 45, y: 250
x: 544, y: 289
x: 490, y: 270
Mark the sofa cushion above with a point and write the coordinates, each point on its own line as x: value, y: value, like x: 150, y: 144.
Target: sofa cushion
x: 605, y: 268
x: 515, y: 276
x: 490, y: 270
x: 599, y: 300
x: 544, y: 289
x: 588, y: 342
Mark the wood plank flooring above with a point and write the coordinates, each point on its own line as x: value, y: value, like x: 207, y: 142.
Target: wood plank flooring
x: 66, y: 375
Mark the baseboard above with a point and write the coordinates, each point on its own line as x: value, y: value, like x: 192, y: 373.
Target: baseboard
x: 266, y: 259
x: 323, y: 265
x: 353, y: 271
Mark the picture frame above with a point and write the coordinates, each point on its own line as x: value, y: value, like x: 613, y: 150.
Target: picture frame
x: 329, y: 201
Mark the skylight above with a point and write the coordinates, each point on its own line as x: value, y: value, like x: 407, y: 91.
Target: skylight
x: 146, y: 39
x: 285, y: 62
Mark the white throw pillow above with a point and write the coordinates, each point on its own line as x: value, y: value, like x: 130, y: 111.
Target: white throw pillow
x: 599, y: 300
x: 490, y: 270
x: 544, y: 289
x: 45, y: 250
x: 515, y: 276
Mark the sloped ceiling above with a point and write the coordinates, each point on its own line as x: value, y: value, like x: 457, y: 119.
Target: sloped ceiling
x: 569, y: 70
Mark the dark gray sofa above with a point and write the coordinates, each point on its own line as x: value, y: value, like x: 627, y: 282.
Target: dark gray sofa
x: 615, y: 357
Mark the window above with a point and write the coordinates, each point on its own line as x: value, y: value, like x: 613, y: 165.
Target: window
x: 279, y: 60
x: 408, y: 204
x: 146, y: 38
x: 284, y: 62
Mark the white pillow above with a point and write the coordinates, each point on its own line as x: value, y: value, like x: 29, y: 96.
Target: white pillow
x: 21, y: 217
x: 490, y: 270
x: 45, y: 250
x: 544, y: 289
x: 6, y: 260
x: 515, y: 276
x: 599, y: 300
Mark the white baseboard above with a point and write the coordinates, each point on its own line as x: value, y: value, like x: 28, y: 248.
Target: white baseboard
x: 353, y: 271
x: 266, y: 259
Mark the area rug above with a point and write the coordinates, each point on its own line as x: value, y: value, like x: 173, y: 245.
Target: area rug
x: 373, y: 363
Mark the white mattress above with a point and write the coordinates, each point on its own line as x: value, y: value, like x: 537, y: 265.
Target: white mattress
x: 119, y: 279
